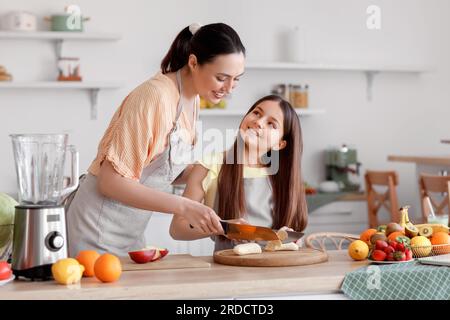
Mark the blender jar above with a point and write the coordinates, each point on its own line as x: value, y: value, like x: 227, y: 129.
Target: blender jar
x: 40, y: 160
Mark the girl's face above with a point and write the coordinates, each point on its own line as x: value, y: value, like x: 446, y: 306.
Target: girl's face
x: 262, y: 129
x: 214, y: 80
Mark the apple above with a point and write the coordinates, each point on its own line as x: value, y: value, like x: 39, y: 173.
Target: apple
x: 5, y: 270
x: 143, y: 256
x: 160, y: 253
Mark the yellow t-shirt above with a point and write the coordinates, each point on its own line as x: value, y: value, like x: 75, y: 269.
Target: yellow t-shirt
x: 213, y: 162
x: 138, y: 130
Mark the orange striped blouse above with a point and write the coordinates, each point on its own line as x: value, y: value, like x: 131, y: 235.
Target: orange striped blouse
x: 139, y: 128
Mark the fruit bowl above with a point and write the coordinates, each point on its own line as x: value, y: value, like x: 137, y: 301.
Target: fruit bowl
x: 387, y: 262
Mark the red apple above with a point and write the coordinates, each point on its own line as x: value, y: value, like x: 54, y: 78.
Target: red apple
x: 143, y: 256
x: 5, y: 270
x: 160, y: 253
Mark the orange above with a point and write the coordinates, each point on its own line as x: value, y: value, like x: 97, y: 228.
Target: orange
x: 366, y: 234
x: 87, y: 258
x: 394, y: 235
x: 108, y: 268
x: 440, y: 238
x: 358, y: 250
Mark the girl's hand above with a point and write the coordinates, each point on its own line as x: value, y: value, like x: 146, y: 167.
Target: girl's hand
x: 201, y: 217
x: 286, y: 228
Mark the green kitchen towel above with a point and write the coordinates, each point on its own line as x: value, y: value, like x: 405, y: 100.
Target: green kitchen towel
x: 401, y: 281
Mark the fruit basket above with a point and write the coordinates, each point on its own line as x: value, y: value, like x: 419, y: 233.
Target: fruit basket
x: 427, y: 251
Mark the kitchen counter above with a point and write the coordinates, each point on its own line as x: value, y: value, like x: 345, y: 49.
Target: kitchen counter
x: 219, y: 281
x: 427, y: 160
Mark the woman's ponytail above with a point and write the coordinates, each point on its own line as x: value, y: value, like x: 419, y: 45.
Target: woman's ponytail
x: 178, y: 54
x: 205, y: 42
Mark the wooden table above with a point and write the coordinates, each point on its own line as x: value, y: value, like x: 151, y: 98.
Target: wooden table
x: 219, y: 281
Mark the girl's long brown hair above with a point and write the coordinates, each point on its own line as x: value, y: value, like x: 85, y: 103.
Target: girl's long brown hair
x: 287, y: 185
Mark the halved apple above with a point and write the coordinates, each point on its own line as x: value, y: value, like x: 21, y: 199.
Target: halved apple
x: 143, y: 256
x: 160, y: 252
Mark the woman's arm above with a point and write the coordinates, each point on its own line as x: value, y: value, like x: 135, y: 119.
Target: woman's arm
x: 182, y: 178
x: 179, y: 228
x: 112, y: 185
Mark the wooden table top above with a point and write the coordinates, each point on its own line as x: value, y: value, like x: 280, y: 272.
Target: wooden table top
x: 219, y: 281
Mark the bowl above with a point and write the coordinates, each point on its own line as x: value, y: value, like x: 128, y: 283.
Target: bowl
x: 329, y: 186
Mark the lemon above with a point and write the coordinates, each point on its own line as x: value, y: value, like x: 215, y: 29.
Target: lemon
x: 358, y: 250
x: 67, y: 271
x: 421, y: 246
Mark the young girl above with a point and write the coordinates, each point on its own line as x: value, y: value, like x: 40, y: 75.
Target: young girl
x: 257, y: 181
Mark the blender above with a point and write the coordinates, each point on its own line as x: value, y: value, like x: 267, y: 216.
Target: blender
x: 39, y: 221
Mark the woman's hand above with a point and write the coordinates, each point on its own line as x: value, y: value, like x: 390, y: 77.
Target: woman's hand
x: 201, y: 217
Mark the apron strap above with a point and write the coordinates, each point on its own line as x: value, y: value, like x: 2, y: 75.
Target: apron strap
x: 180, y: 89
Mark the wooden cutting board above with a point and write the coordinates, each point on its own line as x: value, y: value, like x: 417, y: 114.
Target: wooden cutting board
x: 171, y: 261
x: 303, y: 256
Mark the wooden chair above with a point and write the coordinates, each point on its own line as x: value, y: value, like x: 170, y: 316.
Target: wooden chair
x: 429, y: 186
x: 387, y: 199
x: 319, y: 240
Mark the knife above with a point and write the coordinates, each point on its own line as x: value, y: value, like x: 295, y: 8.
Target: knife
x: 239, y: 231
x: 293, y: 236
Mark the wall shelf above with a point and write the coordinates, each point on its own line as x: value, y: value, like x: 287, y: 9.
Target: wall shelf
x: 59, y: 37
x: 93, y: 88
x: 239, y: 112
x: 369, y: 70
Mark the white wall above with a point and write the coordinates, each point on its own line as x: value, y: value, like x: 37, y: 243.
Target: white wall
x: 408, y: 114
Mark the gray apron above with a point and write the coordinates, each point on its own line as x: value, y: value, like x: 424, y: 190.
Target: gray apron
x: 259, y: 205
x: 99, y: 223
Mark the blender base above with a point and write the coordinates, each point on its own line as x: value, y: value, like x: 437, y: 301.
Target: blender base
x: 41, y: 273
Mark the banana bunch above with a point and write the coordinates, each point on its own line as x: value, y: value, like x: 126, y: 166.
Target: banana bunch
x: 410, y: 229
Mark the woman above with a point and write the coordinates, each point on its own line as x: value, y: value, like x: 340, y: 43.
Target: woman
x: 258, y: 180
x: 150, y: 141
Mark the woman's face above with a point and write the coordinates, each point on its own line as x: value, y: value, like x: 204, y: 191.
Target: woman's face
x: 262, y: 129
x: 214, y: 80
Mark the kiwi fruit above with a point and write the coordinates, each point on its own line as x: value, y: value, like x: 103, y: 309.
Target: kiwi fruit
x: 381, y: 228
x: 393, y: 227
x: 411, y: 231
x: 426, y: 231
x: 378, y: 236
